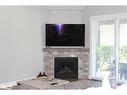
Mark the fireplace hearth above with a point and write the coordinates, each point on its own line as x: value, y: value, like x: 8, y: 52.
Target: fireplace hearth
x: 66, y: 67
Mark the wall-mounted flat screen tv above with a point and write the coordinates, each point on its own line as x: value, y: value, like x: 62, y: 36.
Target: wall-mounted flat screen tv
x: 65, y: 35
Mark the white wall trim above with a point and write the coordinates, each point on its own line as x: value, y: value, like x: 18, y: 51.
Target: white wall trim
x: 90, y: 61
x: 92, y: 51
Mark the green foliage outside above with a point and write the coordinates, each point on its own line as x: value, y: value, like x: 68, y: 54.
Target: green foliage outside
x: 105, y: 55
x: 123, y: 53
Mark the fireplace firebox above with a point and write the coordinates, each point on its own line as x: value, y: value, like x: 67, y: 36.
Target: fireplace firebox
x: 66, y: 67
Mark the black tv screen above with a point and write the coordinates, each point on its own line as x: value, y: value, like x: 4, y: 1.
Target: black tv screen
x: 65, y: 34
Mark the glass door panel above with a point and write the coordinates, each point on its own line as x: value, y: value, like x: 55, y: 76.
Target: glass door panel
x: 122, y: 72
x: 104, y: 47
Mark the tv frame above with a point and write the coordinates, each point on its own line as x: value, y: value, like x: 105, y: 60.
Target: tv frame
x: 64, y: 46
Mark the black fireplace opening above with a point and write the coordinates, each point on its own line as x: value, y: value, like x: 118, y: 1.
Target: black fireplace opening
x: 66, y: 67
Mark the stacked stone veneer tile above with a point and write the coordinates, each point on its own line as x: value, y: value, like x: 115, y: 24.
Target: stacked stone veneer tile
x: 81, y: 53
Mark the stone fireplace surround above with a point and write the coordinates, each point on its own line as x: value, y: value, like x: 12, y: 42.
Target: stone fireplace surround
x: 81, y: 53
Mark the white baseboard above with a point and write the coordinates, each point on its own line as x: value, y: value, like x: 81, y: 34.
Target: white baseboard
x: 10, y: 84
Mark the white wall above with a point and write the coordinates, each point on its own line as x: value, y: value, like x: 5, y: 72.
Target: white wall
x: 65, y: 16
x: 21, y: 54
x: 22, y: 35
x: 100, y: 10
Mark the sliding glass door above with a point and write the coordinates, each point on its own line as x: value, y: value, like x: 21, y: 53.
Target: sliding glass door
x: 109, y: 46
x: 122, y: 75
x: 104, y: 47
